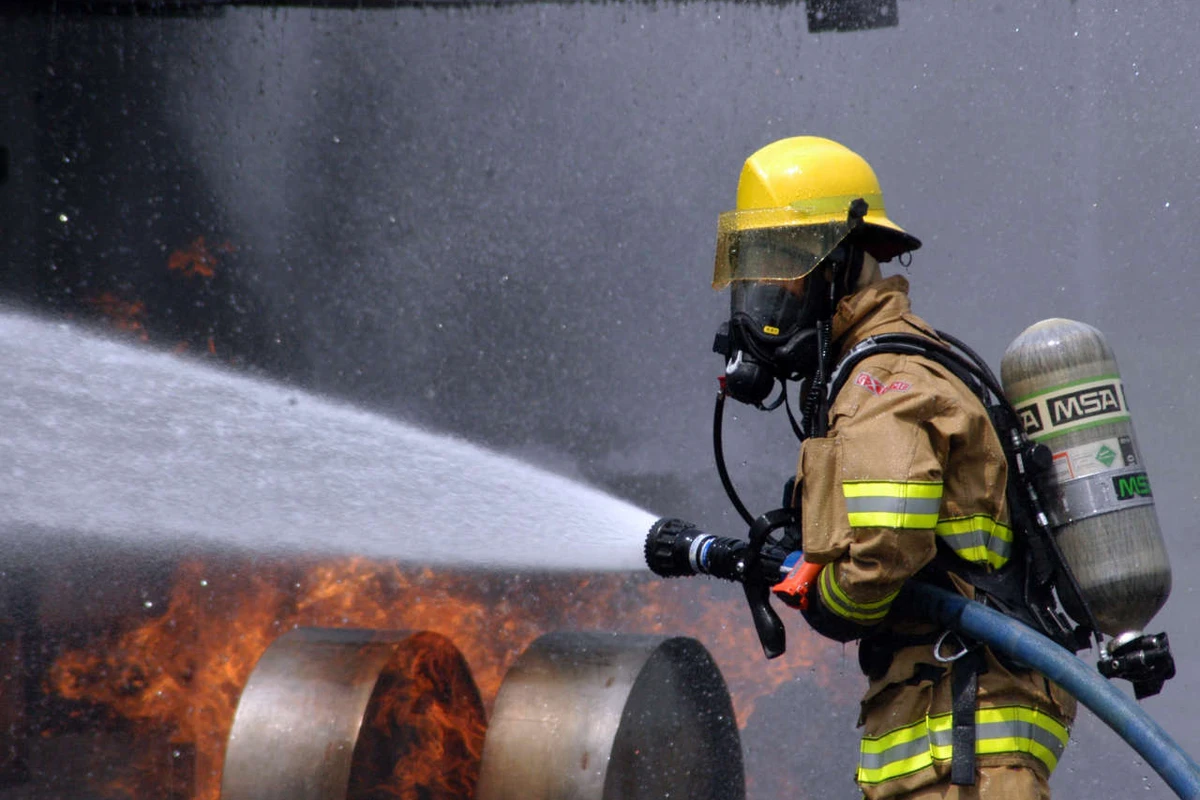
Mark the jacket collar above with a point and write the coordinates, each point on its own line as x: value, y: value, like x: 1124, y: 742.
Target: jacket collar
x: 882, y: 307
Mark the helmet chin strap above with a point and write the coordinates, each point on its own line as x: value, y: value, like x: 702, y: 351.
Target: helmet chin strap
x: 844, y: 282
x: 847, y: 272
x: 852, y: 274
x: 814, y: 416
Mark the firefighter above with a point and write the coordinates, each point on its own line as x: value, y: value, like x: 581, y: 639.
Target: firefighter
x: 901, y: 473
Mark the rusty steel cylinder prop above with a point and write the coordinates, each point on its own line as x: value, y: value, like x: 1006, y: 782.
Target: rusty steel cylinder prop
x: 1062, y: 378
x: 332, y: 714
x: 590, y: 716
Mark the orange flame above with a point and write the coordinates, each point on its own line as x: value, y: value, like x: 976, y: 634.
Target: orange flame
x: 197, y: 259
x: 126, y: 315
x: 424, y: 728
x: 182, y: 671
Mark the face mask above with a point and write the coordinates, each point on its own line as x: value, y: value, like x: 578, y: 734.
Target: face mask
x: 771, y: 334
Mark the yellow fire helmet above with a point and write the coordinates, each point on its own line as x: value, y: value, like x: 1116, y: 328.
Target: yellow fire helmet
x: 793, y: 204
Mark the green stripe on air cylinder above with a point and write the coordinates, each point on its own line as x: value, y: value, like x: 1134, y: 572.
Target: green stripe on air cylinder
x: 1073, y: 407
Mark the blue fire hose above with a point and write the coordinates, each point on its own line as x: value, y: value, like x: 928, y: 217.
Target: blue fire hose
x: 1025, y: 645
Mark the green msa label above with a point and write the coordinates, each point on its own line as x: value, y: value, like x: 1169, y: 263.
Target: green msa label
x: 1132, y: 486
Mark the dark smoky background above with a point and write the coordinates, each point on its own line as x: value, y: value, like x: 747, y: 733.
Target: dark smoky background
x: 498, y: 222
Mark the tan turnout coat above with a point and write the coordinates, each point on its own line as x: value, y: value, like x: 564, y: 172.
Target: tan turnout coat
x: 910, y: 457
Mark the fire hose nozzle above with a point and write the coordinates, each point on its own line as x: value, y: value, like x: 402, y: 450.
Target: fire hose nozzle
x: 675, y: 548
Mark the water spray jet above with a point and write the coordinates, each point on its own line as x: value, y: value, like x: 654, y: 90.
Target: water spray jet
x: 104, y: 437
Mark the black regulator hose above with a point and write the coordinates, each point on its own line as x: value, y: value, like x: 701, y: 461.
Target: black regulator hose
x: 719, y: 455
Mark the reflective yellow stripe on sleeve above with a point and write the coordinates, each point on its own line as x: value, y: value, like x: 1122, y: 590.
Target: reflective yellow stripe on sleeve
x: 837, y: 601
x: 978, y: 539
x: 1001, y: 730
x: 893, y: 504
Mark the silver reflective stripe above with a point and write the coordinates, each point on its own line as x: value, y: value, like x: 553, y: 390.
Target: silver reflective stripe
x: 1020, y: 729
x: 893, y: 505
x: 977, y: 539
x: 893, y: 754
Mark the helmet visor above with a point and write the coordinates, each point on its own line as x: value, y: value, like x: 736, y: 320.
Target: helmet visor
x: 747, y: 250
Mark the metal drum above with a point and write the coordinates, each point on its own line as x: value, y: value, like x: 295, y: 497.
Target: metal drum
x: 1062, y: 378
x: 334, y: 714
x: 584, y: 716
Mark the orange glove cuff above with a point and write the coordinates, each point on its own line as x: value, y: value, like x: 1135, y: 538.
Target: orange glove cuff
x: 794, y: 589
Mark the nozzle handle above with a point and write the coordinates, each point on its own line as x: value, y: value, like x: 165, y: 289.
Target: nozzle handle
x: 768, y: 626
x: 771, y: 634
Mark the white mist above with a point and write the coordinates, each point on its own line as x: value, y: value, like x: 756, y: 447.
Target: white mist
x: 100, y: 437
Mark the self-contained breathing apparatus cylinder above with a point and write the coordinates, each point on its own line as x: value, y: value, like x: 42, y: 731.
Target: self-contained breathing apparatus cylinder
x: 1062, y: 378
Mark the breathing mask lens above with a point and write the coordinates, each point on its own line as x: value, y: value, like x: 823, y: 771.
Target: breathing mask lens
x: 772, y: 309
x: 771, y: 334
